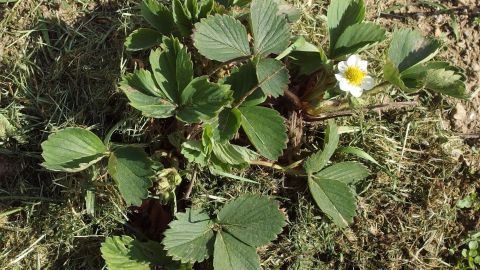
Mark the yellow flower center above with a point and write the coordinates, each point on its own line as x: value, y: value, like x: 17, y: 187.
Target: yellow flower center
x: 354, y: 75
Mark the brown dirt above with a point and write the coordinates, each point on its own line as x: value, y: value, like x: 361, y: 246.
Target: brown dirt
x: 463, y: 51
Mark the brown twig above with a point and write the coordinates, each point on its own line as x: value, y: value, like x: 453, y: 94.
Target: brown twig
x: 376, y: 108
x: 294, y: 98
x: 186, y: 196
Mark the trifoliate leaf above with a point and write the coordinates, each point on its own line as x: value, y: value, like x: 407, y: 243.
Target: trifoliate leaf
x: 265, y: 129
x: 334, y: 198
x: 233, y: 154
x: 190, y: 237
x: 141, y: 91
x: 172, y: 67
x: 194, y: 152
x: 202, y: 100
x: 409, y: 48
x: 72, y: 150
x: 346, y: 172
x: 125, y: 253
x: 342, y: 14
x: 221, y: 38
x: 131, y: 169
x: 243, y: 80
x: 232, y: 254
x: 356, y: 38
x: 254, y: 220
x: 143, y: 38
x: 319, y: 160
x: 271, y: 32
x: 182, y: 18
x: 446, y: 82
x: 158, y: 16
x: 226, y: 125
x: 273, y: 77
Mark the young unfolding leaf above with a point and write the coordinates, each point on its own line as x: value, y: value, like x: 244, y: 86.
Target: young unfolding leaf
x: 143, y: 38
x: 221, y: 38
x: 242, y: 80
x: 409, y: 48
x: 131, y: 169
x: 182, y: 18
x: 345, y: 172
x: 357, y: 37
x: 172, y: 68
x: 319, y: 160
x: 231, y: 254
x: 271, y: 32
x: 125, y: 253
x: 158, y: 16
x: 72, y: 150
x: 253, y: 220
x: 202, y: 100
x: 273, y: 77
x: 334, y: 198
x: 171, y: 90
x: 190, y: 237
x: 265, y: 129
x: 340, y: 15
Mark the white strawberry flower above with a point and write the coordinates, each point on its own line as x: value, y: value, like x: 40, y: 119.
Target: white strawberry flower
x: 353, y: 76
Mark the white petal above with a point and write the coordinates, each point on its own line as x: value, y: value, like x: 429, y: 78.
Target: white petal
x: 342, y: 66
x: 353, y: 60
x: 362, y: 64
x: 356, y: 91
x: 368, y: 83
x: 340, y: 77
x: 345, y: 86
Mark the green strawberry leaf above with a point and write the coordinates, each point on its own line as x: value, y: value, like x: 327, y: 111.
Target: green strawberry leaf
x: 233, y: 154
x: 357, y: 37
x: 273, y: 77
x: 345, y: 172
x: 194, y: 152
x: 271, y: 32
x: 131, y: 169
x: 182, y: 18
x: 221, y: 38
x: 143, y: 38
x: 232, y: 254
x: 266, y: 130
x: 409, y: 48
x: 340, y: 15
x: 319, y: 160
x: 243, y: 79
x: 334, y: 198
x: 125, y: 253
x: 447, y: 82
x: 141, y: 91
x: 252, y: 219
x: 172, y: 67
x: 158, y: 16
x: 202, y: 100
x: 72, y: 150
x: 190, y: 237
x: 226, y: 125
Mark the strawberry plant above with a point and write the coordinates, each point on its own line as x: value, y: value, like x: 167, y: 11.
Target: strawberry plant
x: 216, y: 67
